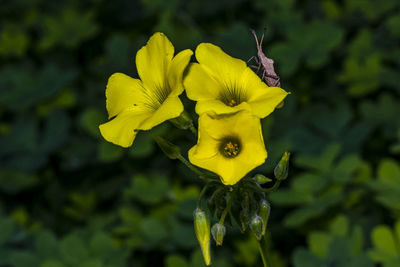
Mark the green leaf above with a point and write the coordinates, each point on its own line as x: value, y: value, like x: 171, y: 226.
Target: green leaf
x: 23, y: 259
x: 108, y: 152
x: 322, y: 163
x: 14, y: 41
x: 7, y: 229
x: 67, y: 29
x: 153, y: 230
x: 357, y: 240
x: 389, y: 173
x: 319, y: 243
x: 384, y: 241
x: 73, y: 250
x: 52, y: 263
x: 46, y: 245
x: 362, y: 77
x: 27, y: 87
x: 90, y: 120
x: 393, y: 25
x: 284, y: 197
x: 101, y: 245
x: 322, y: 38
x: 14, y: 182
x: 339, y: 251
x: 148, y: 189
x: 308, y: 182
x: 360, y: 261
x: 345, y: 170
x: 340, y: 226
x: 303, y: 257
x: 175, y: 261
x: 92, y: 263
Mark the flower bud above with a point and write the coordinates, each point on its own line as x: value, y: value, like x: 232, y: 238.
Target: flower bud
x: 244, y: 219
x: 218, y: 232
x: 183, y: 122
x: 282, y: 169
x: 202, y: 229
x: 256, y: 226
x: 265, y: 209
x: 261, y: 179
x: 170, y: 150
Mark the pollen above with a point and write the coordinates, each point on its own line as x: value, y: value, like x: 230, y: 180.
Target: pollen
x: 230, y: 148
x: 232, y: 103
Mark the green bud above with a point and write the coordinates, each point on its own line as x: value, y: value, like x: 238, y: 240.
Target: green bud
x: 217, y: 201
x: 265, y: 210
x: 282, y: 169
x: 202, y: 229
x: 184, y: 121
x: 261, y: 179
x: 256, y: 226
x: 218, y: 232
x: 244, y: 219
x: 245, y: 212
x: 170, y: 150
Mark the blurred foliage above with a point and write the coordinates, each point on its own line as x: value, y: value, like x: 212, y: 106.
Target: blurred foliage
x: 68, y: 198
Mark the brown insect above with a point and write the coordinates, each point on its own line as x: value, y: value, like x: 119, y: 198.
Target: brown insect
x: 265, y: 64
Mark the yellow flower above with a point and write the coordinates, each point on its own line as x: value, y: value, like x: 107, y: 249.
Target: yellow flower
x: 142, y: 104
x: 231, y: 145
x: 224, y: 84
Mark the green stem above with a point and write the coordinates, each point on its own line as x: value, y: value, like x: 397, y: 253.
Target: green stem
x: 227, y: 209
x: 267, y: 190
x: 190, y: 166
x: 262, y: 253
x: 273, y: 188
x: 193, y: 130
x: 203, y: 191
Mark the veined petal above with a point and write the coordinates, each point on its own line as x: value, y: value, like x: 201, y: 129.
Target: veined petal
x: 122, y: 92
x: 152, y: 61
x: 265, y: 104
x: 199, y: 85
x: 171, y: 108
x: 176, y: 69
x: 122, y: 129
x: 219, y: 107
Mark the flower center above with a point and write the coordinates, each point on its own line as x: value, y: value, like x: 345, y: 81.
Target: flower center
x: 232, y: 96
x: 232, y: 103
x: 230, y: 147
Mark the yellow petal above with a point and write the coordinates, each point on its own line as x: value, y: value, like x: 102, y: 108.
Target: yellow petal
x: 219, y: 107
x: 222, y: 66
x: 122, y: 92
x: 176, y: 69
x: 213, y: 129
x: 171, y: 108
x: 122, y: 129
x: 266, y: 103
x: 152, y: 61
x: 199, y: 85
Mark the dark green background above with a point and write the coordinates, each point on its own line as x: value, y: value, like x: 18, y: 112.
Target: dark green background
x: 68, y: 198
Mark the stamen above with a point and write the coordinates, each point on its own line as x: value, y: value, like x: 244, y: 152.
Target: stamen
x: 232, y: 103
x: 230, y: 147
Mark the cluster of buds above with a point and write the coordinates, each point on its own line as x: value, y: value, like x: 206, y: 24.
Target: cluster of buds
x: 243, y: 204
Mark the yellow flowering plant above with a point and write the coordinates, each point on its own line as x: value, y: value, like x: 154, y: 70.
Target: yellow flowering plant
x: 224, y: 84
x: 142, y: 104
x: 231, y: 101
